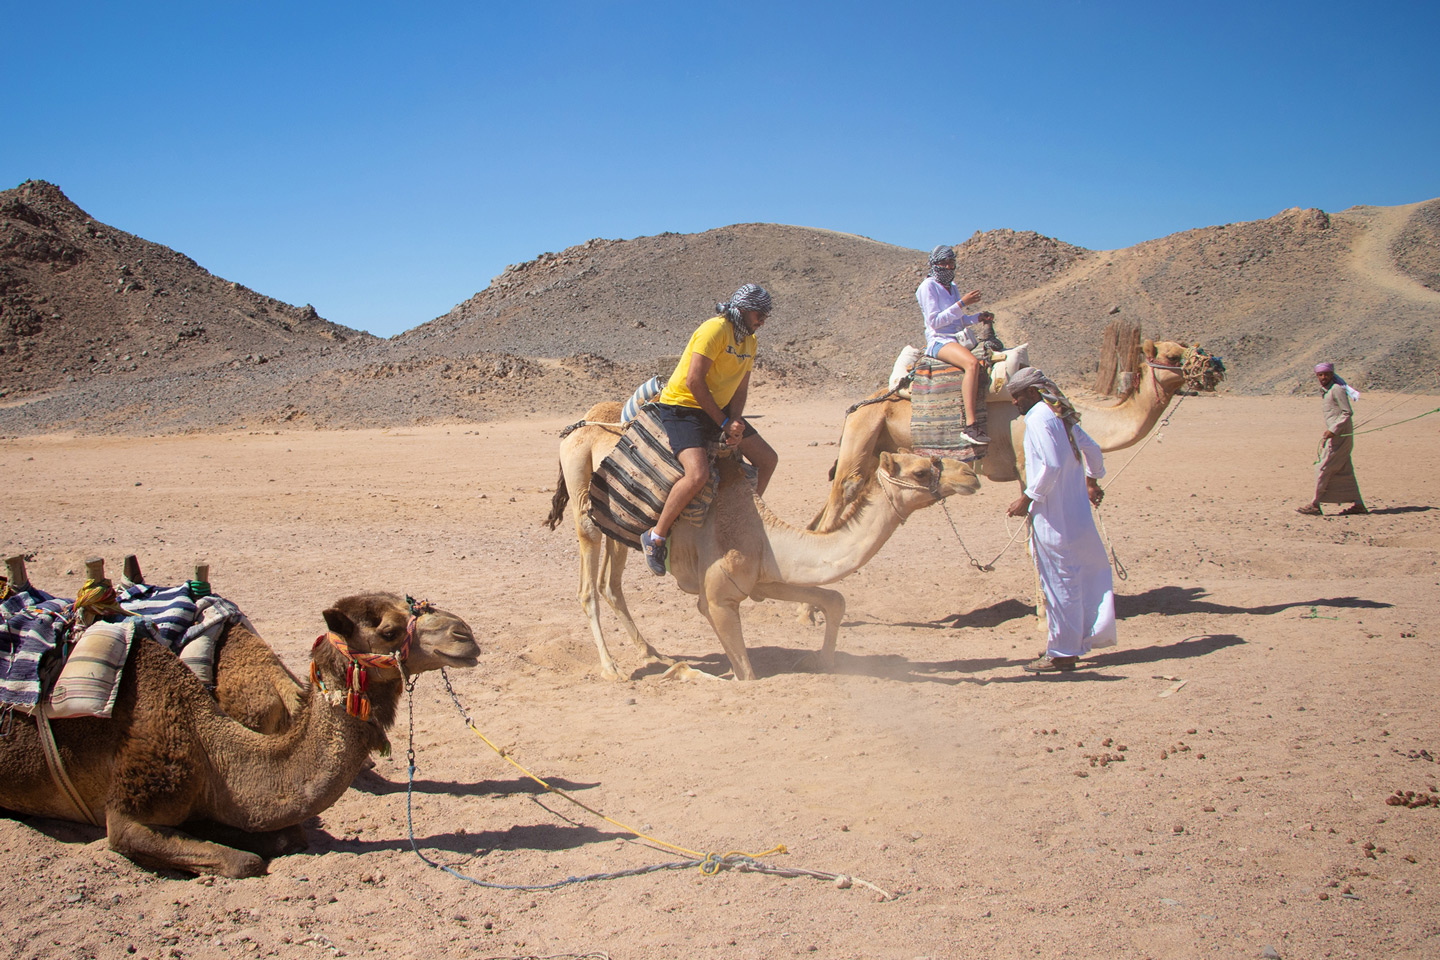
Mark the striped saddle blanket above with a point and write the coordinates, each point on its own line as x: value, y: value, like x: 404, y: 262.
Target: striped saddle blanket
x: 937, y: 411
x: 46, y: 663
x: 629, y: 489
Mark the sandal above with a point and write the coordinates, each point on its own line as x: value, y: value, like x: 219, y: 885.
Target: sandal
x: 1310, y: 510
x: 1354, y: 510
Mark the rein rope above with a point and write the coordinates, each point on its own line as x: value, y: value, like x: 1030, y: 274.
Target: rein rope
x: 709, y: 864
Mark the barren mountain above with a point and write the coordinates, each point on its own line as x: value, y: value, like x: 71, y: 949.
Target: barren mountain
x: 104, y: 331
x: 80, y: 300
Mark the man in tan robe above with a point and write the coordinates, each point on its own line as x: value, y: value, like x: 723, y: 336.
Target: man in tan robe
x: 1335, y: 482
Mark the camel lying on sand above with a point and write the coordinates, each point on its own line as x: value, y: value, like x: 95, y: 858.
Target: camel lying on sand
x: 742, y: 549
x: 169, y: 757
x: 885, y: 426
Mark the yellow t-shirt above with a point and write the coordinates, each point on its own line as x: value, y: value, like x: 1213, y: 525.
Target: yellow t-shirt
x: 730, y: 360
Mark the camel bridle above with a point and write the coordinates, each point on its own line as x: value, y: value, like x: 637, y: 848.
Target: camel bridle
x: 933, y: 488
x: 359, y: 664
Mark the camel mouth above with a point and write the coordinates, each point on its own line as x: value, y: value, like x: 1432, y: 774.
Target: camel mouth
x: 462, y: 655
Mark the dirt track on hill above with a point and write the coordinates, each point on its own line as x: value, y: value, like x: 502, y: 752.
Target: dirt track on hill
x: 1248, y: 810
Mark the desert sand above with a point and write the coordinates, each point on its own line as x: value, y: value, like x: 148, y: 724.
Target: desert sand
x: 1115, y: 812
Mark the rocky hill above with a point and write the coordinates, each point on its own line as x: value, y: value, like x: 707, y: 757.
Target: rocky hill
x: 81, y: 300
x: 100, y: 330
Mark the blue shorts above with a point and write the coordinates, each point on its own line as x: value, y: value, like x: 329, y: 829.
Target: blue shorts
x: 932, y: 349
x: 687, y: 427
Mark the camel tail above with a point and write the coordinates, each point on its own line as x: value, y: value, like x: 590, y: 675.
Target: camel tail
x: 558, y: 502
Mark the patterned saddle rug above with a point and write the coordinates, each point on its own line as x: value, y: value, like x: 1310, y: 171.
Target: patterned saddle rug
x: 47, y: 663
x: 937, y: 411
x: 629, y: 489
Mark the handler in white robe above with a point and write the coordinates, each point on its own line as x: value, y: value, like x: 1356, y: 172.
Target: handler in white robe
x: 1069, y: 555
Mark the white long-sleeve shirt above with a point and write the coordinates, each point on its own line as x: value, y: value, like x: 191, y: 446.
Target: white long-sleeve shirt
x: 945, y: 316
x: 1069, y: 554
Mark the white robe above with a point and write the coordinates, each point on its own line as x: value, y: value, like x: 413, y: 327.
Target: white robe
x: 1069, y: 555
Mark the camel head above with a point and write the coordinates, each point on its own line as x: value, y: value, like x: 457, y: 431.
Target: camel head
x: 1179, y: 364
x: 911, y: 481
x: 382, y: 625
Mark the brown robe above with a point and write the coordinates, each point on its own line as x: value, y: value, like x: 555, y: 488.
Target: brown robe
x: 1335, y: 482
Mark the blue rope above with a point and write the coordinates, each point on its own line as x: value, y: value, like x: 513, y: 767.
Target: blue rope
x: 711, y: 865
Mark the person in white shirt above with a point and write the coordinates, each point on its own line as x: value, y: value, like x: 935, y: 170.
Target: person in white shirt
x: 945, y: 330
x: 1062, y: 468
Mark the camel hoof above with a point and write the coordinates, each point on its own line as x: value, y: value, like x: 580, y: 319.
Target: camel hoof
x: 240, y: 865
x: 654, y: 657
x: 683, y: 672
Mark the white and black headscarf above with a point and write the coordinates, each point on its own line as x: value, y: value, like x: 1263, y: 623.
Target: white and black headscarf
x: 751, y: 296
x: 944, y: 252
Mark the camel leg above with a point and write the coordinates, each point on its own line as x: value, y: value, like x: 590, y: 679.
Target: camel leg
x: 829, y: 601
x: 616, y: 554
x: 591, y: 544
x: 724, y: 617
x: 169, y: 849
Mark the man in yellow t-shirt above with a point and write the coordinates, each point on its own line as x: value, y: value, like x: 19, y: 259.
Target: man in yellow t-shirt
x: 705, y: 401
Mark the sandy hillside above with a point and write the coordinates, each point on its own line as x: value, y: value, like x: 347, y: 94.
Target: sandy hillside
x: 1248, y: 811
x: 103, y: 332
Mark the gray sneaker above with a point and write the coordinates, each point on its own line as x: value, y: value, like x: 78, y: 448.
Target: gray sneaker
x: 654, y: 549
x: 973, y: 434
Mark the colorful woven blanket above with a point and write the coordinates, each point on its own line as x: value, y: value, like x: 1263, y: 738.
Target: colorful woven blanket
x: 937, y: 411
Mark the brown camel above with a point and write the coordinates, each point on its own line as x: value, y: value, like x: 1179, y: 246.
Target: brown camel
x: 169, y: 758
x: 742, y: 549
x: 885, y: 426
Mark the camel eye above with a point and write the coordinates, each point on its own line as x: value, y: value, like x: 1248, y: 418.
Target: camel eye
x: 390, y: 630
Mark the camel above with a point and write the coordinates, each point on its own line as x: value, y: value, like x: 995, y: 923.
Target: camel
x: 742, y: 549
x: 885, y: 426
x: 170, y: 758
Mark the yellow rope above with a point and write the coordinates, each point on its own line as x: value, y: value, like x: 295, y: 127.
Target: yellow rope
x: 694, y: 854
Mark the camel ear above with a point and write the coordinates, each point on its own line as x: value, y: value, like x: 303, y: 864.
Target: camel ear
x: 1148, y: 346
x: 339, y: 623
x: 887, y: 462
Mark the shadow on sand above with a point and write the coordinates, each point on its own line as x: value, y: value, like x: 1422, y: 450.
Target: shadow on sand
x: 372, y: 783
x: 1175, y: 601
x: 539, y: 836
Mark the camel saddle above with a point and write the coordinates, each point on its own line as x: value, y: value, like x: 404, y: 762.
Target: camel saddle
x: 937, y: 411
x: 628, y: 490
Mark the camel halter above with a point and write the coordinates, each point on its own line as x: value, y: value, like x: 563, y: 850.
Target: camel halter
x: 357, y: 670
x: 933, y: 489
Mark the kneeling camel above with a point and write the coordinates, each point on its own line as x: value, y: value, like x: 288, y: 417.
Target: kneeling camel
x: 170, y: 763
x: 742, y: 550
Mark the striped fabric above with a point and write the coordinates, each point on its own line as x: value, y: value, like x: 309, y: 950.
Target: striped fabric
x: 197, y: 646
x: 91, y: 676
x: 643, y: 394
x: 36, y: 632
x: 629, y: 489
x: 170, y: 610
x: 937, y: 412
x: 32, y: 624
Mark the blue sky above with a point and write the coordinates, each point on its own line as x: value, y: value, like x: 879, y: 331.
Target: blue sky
x: 384, y: 161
